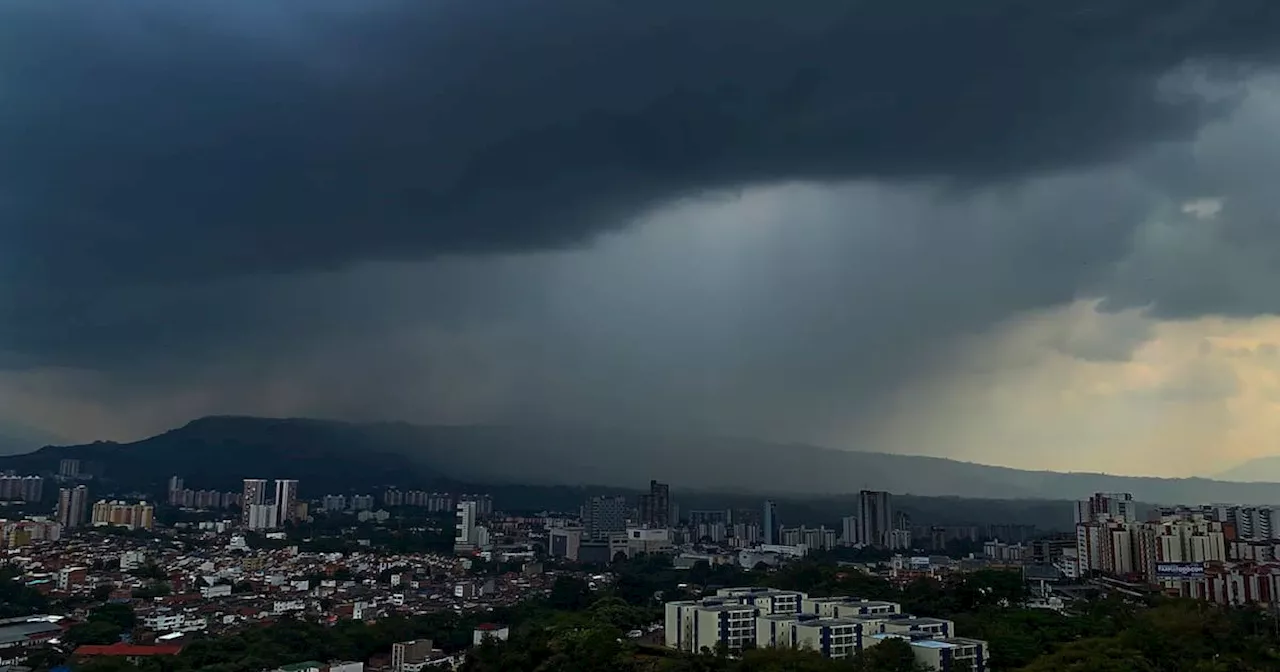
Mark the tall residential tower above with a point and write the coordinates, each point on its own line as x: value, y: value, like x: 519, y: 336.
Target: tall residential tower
x: 286, y: 501
x: 255, y: 494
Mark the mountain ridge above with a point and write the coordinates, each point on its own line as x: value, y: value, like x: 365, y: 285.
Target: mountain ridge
x: 1258, y: 470
x: 334, y: 455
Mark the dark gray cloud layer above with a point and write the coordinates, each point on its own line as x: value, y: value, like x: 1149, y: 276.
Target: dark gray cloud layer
x: 196, y: 197
x: 159, y: 140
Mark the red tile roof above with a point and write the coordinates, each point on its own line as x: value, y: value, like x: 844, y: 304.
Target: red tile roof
x: 122, y: 649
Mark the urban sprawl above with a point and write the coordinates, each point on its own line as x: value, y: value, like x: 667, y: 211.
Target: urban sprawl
x: 218, y: 562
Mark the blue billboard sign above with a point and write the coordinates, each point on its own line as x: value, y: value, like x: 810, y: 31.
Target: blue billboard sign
x: 1180, y: 570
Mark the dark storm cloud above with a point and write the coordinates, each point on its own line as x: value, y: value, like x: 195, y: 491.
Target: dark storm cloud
x: 1222, y: 255
x: 202, y: 204
x: 164, y: 141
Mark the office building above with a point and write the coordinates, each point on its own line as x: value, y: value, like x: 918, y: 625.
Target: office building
x: 286, y: 501
x: 875, y: 518
x: 254, y: 494
x: 73, y: 504
x: 139, y: 516
x: 655, y: 507
x: 564, y: 542
x: 769, y: 524
x: 604, y: 516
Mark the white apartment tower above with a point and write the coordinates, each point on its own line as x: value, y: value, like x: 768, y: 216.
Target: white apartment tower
x: 72, y: 506
x: 1107, y: 506
x: 769, y: 524
x: 286, y: 501
x: 465, y: 538
x: 875, y: 517
x: 255, y: 493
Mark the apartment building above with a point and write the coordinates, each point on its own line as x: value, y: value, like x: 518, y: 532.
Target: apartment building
x: 846, y: 607
x: 832, y: 637
x: 1107, y: 506
x: 134, y: 516
x: 917, y: 626
x: 767, y: 600
x: 835, y: 627
x: 952, y: 653
x: 694, y: 625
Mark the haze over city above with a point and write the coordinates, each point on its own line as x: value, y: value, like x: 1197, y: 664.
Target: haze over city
x: 1038, y: 235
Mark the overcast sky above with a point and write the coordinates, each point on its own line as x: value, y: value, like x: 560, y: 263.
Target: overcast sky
x: 1036, y: 234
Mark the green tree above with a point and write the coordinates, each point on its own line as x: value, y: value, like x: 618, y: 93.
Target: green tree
x: 120, y: 615
x: 1101, y: 654
x: 16, y: 599
x: 891, y: 655
x: 569, y: 594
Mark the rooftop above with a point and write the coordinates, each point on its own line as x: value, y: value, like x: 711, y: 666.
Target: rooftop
x: 122, y: 649
x: 21, y: 632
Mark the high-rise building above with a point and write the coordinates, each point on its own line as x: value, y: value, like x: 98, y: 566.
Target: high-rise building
x: 875, y: 517
x: 122, y: 514
x: 1258, y: 523
x: 69, y: 468
x: 850, y: 535
x: 260, y: 516
x: 769, y: 524
x: 1107, y: 506
x: 72, y: 505
x: 819, y: 538
x: 254, y: 494
x: 655, y: 507
x: 176, y: 491
x: 286, y: 501
x: 464, y: 539
x: 361, y: 502
x: 484, y: 504
x: 21, y: 488
x: 333, y: 503
x: 603, y: 516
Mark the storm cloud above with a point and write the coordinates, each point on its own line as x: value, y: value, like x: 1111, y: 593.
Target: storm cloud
x: 158, y: 140
x: 734, y: 217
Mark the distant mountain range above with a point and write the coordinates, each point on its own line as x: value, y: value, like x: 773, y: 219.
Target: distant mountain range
x: 1260, y: 470
x: 328, y: 456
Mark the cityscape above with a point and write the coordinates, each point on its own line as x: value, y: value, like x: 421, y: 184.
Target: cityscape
x: 626, y: 336
x: 199, y: 563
